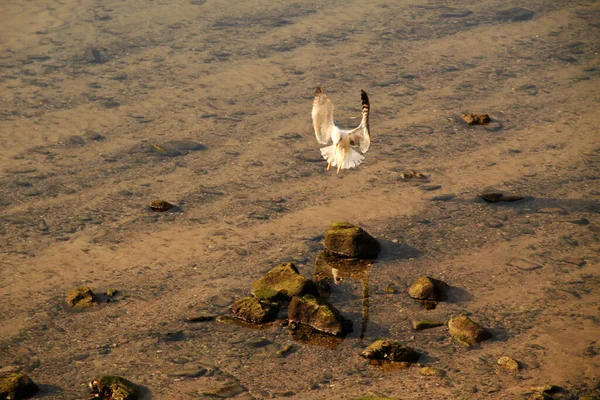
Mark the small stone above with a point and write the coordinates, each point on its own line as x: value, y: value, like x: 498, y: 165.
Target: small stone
x: 318, y: 314
x: 112, y: 387
x: 467, y: 332
x: 390, y: 350
x: 82, y: 297
x: 508, y: 363
x: 431, y: 188
x: 193, y: 371
x: 160, y: 205
x: 226, y: 391
x: 476, y: 119
x: 16, y: 385
x: 426, y: 288
x: 420, y: 324
x: 492, y: 197
x: 282, y: 283
x: 432, y: 371
x: 514, y: 14
x: 552, y: 210
x: 443, y: 197
x: 252, y: 310
x: 351, y: 241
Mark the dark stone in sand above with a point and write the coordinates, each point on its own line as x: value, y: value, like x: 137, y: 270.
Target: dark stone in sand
x: 160, y: 205
x: 351, y: 241
x: 467, y: 332
x: 514, y: 14
x: 452, y: 13
x: 252, y: 310
x: 82, y: 297
x: 426, y: 288
x: 200, y: 317
x: 443, y: 197
x: 318, y: 314
x: 112, y: 387
x: 16, y: 385
x: 498, y: 197
x: 390, y: 350
x: 282, y: 283
x: 96, y: 56
x: 184, y: 145
x: 476, y: 119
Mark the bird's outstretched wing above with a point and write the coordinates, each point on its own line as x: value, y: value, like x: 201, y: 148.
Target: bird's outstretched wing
x: 361, y: 137
x: 322, y: 116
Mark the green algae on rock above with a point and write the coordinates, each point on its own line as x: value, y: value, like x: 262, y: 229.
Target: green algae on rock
x: 508, y: 363
x: 432, y: 371
x: 391, y: 350
x: 82, y: 297
x: 282, y: 283
x: 16, y: 385
x: 252, y: 310
x: 351, y: 241
x: 426, y: 288
x: 112, y: 387
x: 467, y: 332
x: 318, y: 314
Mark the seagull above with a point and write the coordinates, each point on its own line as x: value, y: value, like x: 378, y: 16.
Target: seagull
x: 342, y: 153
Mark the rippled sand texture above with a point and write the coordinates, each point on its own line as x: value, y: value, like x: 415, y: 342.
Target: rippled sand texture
x: 88, y: 87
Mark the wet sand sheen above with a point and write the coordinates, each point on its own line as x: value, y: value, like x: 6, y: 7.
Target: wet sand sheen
x: 88, y: 88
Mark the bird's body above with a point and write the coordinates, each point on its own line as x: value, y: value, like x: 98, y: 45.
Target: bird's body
x: 342, y: 153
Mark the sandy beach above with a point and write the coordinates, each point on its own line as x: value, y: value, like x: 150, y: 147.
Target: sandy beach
x: 107, y: 106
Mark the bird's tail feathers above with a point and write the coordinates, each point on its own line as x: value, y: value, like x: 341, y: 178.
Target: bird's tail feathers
x: 354, y: 159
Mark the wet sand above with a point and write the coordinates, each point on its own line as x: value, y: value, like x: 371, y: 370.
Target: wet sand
x: 87, y: 88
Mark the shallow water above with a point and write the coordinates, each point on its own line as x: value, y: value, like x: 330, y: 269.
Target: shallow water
x: 101, y: 104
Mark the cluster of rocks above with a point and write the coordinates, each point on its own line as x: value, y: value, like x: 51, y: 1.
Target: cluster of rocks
x: 16, y: 386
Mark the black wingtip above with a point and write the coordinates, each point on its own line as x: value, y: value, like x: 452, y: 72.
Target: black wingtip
x: 364, y: 98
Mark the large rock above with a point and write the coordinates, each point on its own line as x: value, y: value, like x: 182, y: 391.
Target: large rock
x: 252, y: 310
x: 82, y: 297
x: 282, y: 283
x: 351, y: 241
x: 112, y: 387
x: 467, y: 332
x: 426, y: 288
x: 391, y: 350
x: 318, y: 314
x: 15, y: 386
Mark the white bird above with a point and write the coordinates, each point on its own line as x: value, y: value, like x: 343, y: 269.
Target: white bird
x: 342, y: 153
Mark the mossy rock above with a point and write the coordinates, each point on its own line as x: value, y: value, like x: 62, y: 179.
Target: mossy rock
x: 252, y: 310
x: 82, y: 297
x: 318, y: 314
x: 16, y: 385
x: 391, y: 350
x: 509, y: 364
x: 351, y: 241
x: 112, y: 387
x: 420, y: 324
x: 466, y: 331
x: 432, y: 371
x: 282, y: 283
x: 426, y: 288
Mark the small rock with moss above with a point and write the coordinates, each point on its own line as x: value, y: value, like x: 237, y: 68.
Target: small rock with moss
x: 432, y: 371
x: 508, y: 363
x: 112, y: 387
x: 282, y: 283
x: 318, y: 314
x: 82, y: 297
x: 466, y: 331
x: 391, y: 350
x: 16, y: 385
x: 252, y: 310
x: 426, y: 288
x: 420, y: 324
x: 351, y: 241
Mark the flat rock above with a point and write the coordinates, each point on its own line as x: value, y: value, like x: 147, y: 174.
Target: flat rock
x: 82, y: 297
x: 282, y: 283
x: 492, y: 197
x: 426, y: 288
x: 466, y: 331
x: 318, y: 314
x: 351, y: 241
x: 16, y: 385
x: 112, y: 387
x: 391, y: 350
x: 420, y: 324
x: 514, y: 14
x: 432, y: 371
x: 523, y: 265
x: 251, y: 309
